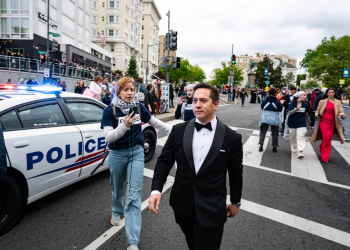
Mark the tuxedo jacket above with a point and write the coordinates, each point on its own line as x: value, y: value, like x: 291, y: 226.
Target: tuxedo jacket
x: 204, y: 192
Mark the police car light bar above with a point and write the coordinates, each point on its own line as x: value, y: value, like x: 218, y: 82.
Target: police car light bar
x: 40, y: 88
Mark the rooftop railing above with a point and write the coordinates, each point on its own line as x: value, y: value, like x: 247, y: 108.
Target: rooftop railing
x: 57, y: 69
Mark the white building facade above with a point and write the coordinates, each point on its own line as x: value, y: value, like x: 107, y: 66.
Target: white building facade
x: 119, y: 22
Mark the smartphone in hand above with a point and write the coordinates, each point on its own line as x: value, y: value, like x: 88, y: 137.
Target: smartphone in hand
x: 320, y: 116
x: 133, y: 109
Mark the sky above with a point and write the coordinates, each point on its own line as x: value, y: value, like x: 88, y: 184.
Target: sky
x: 208, y: 28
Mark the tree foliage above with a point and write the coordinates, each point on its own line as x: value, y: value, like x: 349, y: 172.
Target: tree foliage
x: 132, y: 69
x: 300, y: 77
x: 275, y: 75
x: 220, y: 76
x: 289, y: 78
x: 311, y: 84
x: 186, y: 71
x: 328, y: 69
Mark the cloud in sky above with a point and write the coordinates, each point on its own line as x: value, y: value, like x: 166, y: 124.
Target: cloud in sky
x: 207, y: 28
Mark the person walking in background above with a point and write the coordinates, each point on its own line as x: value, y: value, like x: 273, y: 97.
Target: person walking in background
x: 243, y: 94
x: 270, y: 117
x: 327, y: 113
x: 229, y: 94
x: 297, y: 122
x: 139, y: 85
x: 80, y: 87
x: 259, y: 95
x: 171, y: 95
x: 253, y: 96
x: 150, y: 99
x: 233, y: 93
x: 95, y: 87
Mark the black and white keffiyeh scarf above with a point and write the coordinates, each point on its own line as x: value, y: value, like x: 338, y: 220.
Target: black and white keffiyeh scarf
x: 124, y: 107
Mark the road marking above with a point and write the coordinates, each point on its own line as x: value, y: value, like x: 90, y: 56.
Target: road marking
x: 309, y: 167
x: 251, y: 154
x: 305, y: 225
x: 115, y: 229
x: 343, y: 150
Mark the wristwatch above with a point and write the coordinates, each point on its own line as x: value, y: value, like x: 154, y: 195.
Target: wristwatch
x: 236, y: 204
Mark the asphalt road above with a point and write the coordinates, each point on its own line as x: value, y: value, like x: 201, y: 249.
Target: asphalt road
x: 281, y: 209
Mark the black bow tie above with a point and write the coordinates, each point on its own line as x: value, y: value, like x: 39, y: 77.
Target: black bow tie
x: 200, y: 126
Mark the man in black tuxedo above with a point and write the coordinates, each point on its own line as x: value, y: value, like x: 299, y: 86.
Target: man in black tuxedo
x: 205, y: 150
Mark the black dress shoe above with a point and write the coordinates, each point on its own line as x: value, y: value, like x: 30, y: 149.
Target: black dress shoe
x: 261, y: 148
x: 274, y: 149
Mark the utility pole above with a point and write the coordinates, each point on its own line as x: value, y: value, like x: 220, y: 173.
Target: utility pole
x: 168, y: 50
x: 231, y: 79
x: 48, y: 34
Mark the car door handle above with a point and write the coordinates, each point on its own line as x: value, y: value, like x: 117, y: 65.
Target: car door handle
x: 22, y: 144
x: 89, y: 135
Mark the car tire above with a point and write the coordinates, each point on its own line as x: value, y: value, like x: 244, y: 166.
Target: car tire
x: 10, y: 202
x: 150, y: 141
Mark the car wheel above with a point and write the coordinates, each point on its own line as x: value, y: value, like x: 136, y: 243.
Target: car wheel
x: 149, y: 144
x: 10, y: 202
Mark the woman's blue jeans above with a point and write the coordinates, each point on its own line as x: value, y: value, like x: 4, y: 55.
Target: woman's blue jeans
x: 229, y: 97
x: 243, y: 98
x: 124, y: 164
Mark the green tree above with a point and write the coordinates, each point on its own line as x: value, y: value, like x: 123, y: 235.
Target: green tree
x: 328, y: 69
x: 311, y: 84
x: 275, y: 75
x: 132, y: 69
x: 300, y: 77
x: 118, y: 72
x: 186, y: 71
x: 220, y: 76
x: 289, y: 78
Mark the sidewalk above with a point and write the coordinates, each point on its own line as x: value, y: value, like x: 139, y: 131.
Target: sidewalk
x: 223, y: 98
x: 167, y: 116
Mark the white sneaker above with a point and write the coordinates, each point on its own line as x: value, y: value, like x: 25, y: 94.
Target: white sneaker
x: 300, y: 155
x: 294, y: 150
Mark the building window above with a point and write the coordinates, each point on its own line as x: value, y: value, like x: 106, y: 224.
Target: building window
x: 94, y: 5
x: 111, y: 19
x: 112, y: 47
x: 143, y: 27
x: 102, y: 32
x: 110, y: 32
x: 103, y: 19
x: 15, y: 7
x: 111, y: 4
x: 142, y: 37
x: 131, y: 39
x: 94, y: 19
x: 141, y: 46
x: 117, y: 19
x: 116, y: 33
x: 132, y: 13
x: 14, y: 27
x: 143, y: 18
x: 117, y: 5
x: 132, y: 26
x: 93, y: 32
x: 103, y: 5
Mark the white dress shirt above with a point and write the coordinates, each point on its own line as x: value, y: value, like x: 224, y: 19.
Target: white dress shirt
x: 201, y: 144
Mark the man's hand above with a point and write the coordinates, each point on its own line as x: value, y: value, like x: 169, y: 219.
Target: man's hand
x: 155, y: 198
x: 231, y: 210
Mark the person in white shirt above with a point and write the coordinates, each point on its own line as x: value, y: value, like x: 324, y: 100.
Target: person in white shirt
x: 95, y: 87
x: 205, y: 151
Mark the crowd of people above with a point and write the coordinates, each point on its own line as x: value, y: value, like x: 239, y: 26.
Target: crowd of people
x: 292, y: 111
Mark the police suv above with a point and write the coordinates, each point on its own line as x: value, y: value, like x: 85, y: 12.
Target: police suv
x: 49, y: 140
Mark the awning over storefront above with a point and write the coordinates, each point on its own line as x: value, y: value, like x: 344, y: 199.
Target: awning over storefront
x: 108, y: 70
x: 92, y: 63
x: 79, y: 59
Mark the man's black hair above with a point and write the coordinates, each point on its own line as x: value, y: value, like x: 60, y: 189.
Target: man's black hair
x: 214, y: 93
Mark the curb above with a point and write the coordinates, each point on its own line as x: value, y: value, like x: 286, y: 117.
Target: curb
x: 167, y: 118
x: 224, y: 101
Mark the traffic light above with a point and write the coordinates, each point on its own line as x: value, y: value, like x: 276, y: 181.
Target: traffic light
x: 42, y: 57
x: 54, y: 45
x: 167, y: 40
x: 176, y: 63
x: 173, y: 40
x: 233, y: 59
